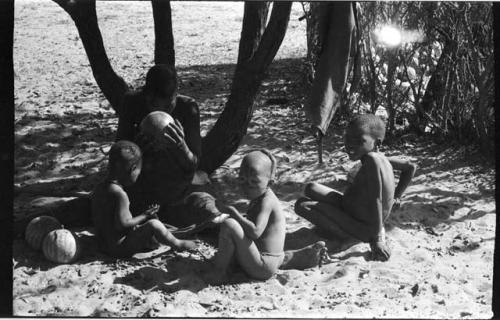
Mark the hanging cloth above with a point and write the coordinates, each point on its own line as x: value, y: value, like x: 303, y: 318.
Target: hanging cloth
x: 337, y: 31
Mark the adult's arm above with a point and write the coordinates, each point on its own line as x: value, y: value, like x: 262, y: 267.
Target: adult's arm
x: 185, y: 137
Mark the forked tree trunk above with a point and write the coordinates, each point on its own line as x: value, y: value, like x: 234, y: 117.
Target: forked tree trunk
x: 83, y: 13
x: 254, y: 58
x: 164, y: 38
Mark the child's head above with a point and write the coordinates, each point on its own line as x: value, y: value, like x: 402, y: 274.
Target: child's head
x: 125, y: 162
x: 161, y: 87
x: 364, y: 134
x: 256, y: 172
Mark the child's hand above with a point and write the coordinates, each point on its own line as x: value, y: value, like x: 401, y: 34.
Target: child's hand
x: 232, y: 211
x: 151, y: 212
x: 380, y: 251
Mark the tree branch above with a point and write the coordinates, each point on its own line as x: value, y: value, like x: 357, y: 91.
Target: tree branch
x: 84, y: 15
x: 164, y: 38
x: 254, y: 24
x: 273, y: 36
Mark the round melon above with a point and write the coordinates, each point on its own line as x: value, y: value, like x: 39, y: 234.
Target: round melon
x: 61, y: 246
x: 38, y: 228
x: 154, y: 123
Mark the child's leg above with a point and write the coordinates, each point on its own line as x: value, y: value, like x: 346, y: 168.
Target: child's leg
x: 143, y: 233
x: 235, y: 243
x: 319, y: 192
x: 304, y: 258
x: 320, y: 215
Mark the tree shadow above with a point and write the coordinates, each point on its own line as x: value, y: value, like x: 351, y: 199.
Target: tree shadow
x: 178, y: 273
x: 429, y: 215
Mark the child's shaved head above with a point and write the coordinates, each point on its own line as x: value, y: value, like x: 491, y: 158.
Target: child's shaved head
x: 371, y: 123
x: 264, y: 159
x: 125, y: 153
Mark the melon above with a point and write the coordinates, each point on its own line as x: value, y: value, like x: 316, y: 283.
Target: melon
x: 38, y: 228
x: 154, y: 123
x: 61, y: 246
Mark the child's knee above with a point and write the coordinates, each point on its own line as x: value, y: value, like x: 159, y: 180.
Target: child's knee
x: 230, y: 224
x: 154, y: 224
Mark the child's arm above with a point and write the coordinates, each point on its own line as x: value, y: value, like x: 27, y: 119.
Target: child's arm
x: 253, y: 230
x: 407, y: 169
x: 123, y: 217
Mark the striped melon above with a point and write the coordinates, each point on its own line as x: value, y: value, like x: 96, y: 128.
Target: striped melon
x: 61, y: 246
x: 38, y: 228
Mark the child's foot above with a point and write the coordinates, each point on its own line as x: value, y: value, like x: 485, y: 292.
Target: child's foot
x: 307, y: 257
x: 186, y: 245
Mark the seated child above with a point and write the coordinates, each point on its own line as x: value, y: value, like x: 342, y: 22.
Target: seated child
x: 118, y: 232
x: 256, y: 241
x: 361, y: 211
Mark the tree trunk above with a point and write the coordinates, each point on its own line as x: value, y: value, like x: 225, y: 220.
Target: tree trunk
x: 164, y: 38
x: 435, y: 90
x: 83, y: 13
x: 391, y: 69
x: 254, y: 58
x: 495, y: 303
x: 486, y: 87
x: 254, y: 25
x: 7, y: 142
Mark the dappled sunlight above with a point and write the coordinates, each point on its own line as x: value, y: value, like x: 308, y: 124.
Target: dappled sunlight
x: 441, y: 235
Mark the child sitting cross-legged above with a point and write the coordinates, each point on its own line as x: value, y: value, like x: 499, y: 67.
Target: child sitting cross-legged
x: 119, y: 233
x: 361, y: 211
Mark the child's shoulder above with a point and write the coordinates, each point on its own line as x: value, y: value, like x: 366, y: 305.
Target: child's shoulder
x: 375, y: 160
x: 270, y: 198
x: 109, y: 190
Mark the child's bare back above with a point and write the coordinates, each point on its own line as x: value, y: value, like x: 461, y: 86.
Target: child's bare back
x: 119, y: 233
x: 372, y: 186
x: 105, y: 199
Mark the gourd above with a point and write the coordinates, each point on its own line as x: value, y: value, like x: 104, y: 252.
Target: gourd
x: 61, y: 246
x: 38, y: 228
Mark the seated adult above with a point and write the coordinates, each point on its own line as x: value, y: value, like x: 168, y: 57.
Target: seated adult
x: 169, y: 165
x: 169, y: 160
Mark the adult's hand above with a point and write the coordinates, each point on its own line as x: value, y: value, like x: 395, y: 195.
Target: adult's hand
x: 174, y: 135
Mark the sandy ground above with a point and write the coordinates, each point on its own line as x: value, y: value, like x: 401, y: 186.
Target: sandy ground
x: 442, y: 237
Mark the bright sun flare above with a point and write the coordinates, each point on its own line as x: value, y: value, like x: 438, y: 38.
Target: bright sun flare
x: 389, y: 36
